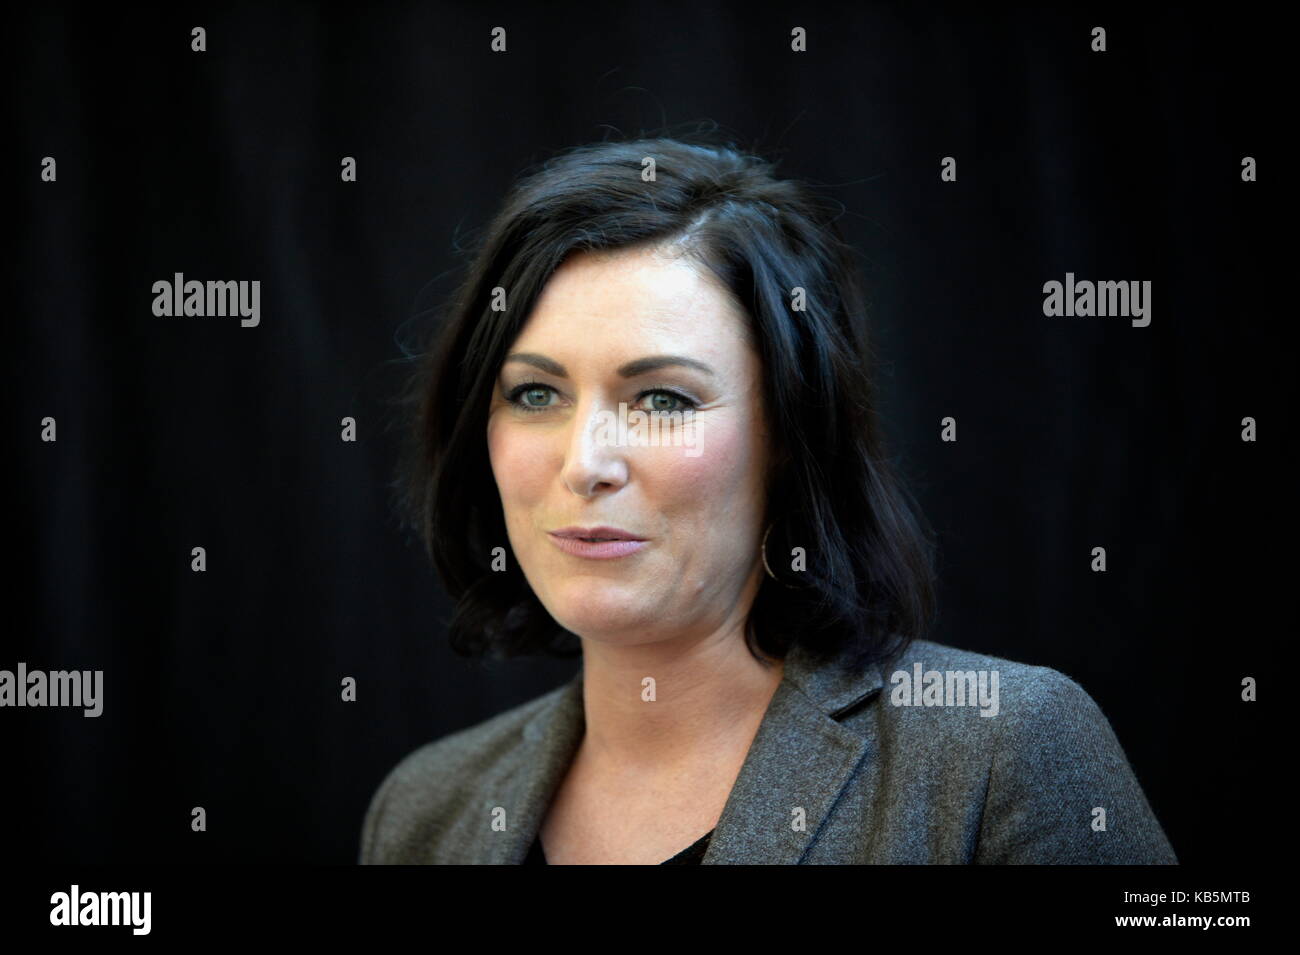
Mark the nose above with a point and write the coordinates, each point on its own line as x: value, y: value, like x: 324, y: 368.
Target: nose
x: 593, y: 463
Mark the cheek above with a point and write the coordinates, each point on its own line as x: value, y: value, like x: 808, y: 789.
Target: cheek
x: 721, y: 483
x: 517, y: 465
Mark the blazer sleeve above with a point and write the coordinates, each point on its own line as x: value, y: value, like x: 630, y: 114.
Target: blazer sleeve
x: 1056, y: 766
x: 369, y: 827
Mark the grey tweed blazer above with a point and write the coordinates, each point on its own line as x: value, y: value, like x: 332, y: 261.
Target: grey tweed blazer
x: 840, y: 771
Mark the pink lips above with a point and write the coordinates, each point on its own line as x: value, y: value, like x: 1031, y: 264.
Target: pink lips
x: 599, y: 543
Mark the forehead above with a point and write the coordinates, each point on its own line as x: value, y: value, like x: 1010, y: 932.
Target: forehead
x: 639, y: 296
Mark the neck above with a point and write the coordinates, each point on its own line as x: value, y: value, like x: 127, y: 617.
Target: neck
x: 709, y: 697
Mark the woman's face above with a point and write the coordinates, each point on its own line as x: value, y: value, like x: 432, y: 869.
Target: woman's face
x: 695, y: 501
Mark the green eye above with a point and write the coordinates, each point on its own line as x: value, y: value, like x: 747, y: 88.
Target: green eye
x: 531, y: 396
x: 663, y: 401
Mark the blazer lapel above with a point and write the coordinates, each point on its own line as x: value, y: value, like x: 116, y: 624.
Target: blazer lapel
x: 527, y: 781
x: 797, y: 766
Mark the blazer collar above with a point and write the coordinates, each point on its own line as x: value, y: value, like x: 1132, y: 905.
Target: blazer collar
x: 797, y: 765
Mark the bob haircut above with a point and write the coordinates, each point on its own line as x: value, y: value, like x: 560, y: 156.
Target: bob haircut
x: 867, y: 589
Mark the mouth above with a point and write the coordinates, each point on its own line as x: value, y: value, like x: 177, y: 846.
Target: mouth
x: 596, y: 534
x: 597, y: 543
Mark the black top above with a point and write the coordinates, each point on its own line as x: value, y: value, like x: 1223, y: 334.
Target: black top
x: 691, y: 855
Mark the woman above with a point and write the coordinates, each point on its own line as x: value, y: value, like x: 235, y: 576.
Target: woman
x: 648, y: 433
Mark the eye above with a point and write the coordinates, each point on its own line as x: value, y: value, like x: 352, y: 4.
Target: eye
x: 531, y: 396
x: 666, y: 401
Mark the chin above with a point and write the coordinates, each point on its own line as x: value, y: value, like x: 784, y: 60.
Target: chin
x: 602, y: 609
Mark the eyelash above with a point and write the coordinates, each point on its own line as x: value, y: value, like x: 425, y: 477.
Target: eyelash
x: 517, y: 392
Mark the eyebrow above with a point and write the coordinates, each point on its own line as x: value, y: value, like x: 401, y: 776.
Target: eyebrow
x: 631, y: 369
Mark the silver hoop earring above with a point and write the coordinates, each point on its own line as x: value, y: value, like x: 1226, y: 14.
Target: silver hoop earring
x: 763, y: 550
x: 768, y: 567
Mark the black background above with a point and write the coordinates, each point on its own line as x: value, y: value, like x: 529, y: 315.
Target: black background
x: 222, y: 689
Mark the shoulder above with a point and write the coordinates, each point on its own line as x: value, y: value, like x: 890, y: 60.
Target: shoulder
x: 1015, y: 714
x: 466, y: 750
x: 1057, y: 784
x: 941, y: 703
x: 940, y: 676
x: 437, y: 775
